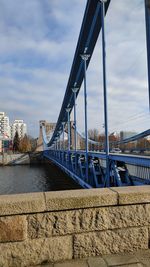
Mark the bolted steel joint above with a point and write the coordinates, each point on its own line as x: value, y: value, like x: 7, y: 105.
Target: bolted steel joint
x: 75, y: 89
x: 85, y: 57
x: 68, y: 109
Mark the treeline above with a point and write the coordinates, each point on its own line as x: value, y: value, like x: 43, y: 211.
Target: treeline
x: 25, y: 144
x: 94, y: 135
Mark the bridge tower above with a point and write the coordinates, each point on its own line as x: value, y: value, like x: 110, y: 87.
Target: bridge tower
x: 49, y: 127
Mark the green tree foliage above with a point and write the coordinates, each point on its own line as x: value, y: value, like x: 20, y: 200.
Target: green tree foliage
x: 16, y: 142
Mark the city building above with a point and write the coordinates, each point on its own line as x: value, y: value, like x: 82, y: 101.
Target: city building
x: 124, y: 134
x: 4, y: 126
x: 20, y: 127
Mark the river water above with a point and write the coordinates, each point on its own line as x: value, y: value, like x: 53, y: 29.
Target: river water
x: 33, y: 178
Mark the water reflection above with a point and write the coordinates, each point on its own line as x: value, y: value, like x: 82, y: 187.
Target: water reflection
x: 34, y: 178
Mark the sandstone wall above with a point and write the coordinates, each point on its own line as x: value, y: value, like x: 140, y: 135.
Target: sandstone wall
x: 47, y: 227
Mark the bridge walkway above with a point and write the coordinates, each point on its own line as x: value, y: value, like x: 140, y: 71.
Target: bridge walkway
x: 134, y: 259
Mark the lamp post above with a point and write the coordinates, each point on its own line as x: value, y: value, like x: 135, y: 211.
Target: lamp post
x: 85, y: 58
x: 105, y: 91
x: 63, y: 137
x: 68, y: 115
x: 74, y: 90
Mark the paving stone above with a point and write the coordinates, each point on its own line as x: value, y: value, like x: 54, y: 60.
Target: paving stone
x: 117, y: 260
x: 130, y: 265
x: 43, y: 265
x: 73, y: 263
x: 113, y: 260
x: 96, y: 262
x: 142, y: 255
x: 145, y: 262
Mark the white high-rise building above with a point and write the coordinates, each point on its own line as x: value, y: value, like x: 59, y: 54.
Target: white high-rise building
x: 4, y: 126
x: 20, y: 127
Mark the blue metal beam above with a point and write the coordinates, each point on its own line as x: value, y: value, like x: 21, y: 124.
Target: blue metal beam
x: 132, y: 159
x: 147, y: 18
x: 89, y: 33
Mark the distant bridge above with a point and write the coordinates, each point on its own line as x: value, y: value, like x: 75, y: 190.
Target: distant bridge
x: 89, y: 168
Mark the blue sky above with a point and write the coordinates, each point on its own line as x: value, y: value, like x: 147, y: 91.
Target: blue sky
x: 38, y: 41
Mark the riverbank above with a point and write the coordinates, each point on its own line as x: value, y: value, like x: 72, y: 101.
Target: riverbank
x: 20, y: 158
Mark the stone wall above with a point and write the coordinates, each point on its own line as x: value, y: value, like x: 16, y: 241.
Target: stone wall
x: 14, y: 159
x: 38, y: 228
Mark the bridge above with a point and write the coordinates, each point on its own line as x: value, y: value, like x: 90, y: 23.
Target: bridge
x: 94, y: 168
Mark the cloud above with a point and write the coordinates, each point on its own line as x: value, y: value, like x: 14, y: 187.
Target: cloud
x: 38, y: 41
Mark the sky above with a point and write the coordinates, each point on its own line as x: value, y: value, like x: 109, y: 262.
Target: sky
x: 37, y: 44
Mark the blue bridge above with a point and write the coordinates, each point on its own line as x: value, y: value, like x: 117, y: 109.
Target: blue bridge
x: 94, y: 168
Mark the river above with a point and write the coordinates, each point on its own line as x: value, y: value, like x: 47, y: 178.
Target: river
x: 33, y: 178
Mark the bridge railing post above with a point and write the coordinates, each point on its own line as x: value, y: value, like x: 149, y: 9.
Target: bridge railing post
x: 63, y: 137
x: 105, y: 92
x: 74, y: 90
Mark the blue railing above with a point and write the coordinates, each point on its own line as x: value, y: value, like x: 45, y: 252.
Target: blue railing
x: 124, y: 170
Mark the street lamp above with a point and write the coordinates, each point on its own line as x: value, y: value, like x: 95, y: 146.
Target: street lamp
x: 85, y: 57
x: 105, y: 91
x: 74, y: 90
x: 68, y: 115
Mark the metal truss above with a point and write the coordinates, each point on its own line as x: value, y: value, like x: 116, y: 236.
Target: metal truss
x: 124, y: 170
x: 92, y: 169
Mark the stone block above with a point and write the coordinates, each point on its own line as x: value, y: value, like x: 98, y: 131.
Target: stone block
x: 21, y: 203
x: 133, y: 194
x: 87, y: 220
x: 13, y: 228
x: 110, y: 242
x: 83, y: 198
x: 35, y: 252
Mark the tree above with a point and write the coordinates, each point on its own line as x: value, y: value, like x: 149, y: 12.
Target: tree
x: 25, y: 144
x: 93, y: 134
x: 16, y: 142
x: 33, y: 142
